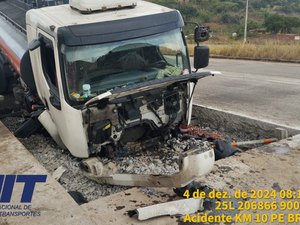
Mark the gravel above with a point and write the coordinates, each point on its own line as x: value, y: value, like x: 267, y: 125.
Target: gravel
x: 163, y: 161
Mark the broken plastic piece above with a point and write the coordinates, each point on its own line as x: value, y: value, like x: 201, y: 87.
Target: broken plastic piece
x: 180, y: 207
x: 192, y: 164
x: 58, y: 173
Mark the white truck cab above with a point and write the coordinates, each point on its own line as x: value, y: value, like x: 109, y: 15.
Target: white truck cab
x: 83, y: 54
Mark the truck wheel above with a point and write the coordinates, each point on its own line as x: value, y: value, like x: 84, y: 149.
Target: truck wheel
x: 3, y: 80
x: 6, y: 78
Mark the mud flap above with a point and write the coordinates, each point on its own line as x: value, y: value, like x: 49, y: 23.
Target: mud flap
x: 192, y: 165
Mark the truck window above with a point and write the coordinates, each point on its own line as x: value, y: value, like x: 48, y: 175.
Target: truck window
x: 48, y: 62
x: 102, y: 67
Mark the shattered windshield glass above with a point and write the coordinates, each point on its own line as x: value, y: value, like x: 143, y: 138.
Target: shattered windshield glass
x: 95, y: 69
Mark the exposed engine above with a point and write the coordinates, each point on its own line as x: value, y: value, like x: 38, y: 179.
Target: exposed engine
x: 143, y: 118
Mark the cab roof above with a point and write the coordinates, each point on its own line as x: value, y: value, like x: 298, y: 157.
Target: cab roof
x: 64, y: 15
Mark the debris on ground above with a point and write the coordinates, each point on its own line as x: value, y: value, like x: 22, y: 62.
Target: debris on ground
x: 162, y: 160
x: 159, y: 161
x: 179, y: 207
x: 59, y: 172
x: 78, y: 197
x: 2, y: 98
x: 224, y: 149
x: 192, y: 188
x: 253, y: 142
x: 196, y: 131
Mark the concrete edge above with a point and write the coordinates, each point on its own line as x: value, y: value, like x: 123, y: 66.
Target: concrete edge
x: 253, y: 59
x: 49, y: 199
x: 232, y: 123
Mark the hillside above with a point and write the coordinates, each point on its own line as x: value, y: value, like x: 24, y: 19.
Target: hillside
x: 227, y: 16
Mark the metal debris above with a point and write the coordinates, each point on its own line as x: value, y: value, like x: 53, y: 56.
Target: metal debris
x: 225, y: 148
x: 1, y: 98
x: 253, y: 142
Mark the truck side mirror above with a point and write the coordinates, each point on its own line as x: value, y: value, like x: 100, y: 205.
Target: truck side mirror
x: 36, y: 43
x: 201, y: 57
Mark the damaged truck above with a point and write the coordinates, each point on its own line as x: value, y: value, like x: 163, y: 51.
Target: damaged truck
x: 99, y: 74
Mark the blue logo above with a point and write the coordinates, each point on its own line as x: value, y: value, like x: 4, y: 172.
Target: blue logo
x: 7, y: 183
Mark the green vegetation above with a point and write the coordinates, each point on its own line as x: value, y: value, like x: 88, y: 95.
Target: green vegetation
x: 269, y: 27
x: 276, y: 23
x: 227, y: 16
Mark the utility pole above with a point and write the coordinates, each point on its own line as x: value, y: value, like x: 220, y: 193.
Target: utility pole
x: 246, y: 22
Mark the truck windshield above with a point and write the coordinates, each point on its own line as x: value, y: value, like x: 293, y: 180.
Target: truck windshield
x: 92, y: 70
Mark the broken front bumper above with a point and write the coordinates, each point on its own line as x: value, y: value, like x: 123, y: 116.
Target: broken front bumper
x: 192, y: 164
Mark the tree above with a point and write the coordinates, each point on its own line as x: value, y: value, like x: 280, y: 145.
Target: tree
x: 276, y: 23
x: 228, y: 18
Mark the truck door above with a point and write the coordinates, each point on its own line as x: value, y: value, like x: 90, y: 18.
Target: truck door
x: 67, y: 120
x: 48, y: 77
x: 51, y: 94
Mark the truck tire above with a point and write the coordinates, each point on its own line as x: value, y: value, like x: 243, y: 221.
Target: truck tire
x: 6, y: 77
x: 3, y: 80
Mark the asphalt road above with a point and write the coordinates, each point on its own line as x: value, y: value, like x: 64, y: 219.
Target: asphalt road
x: 263, y: 90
